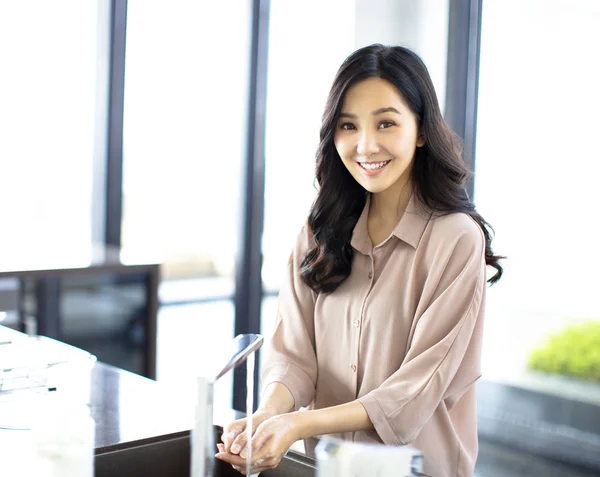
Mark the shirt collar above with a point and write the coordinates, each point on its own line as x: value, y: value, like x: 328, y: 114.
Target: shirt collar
x: 409, y: 228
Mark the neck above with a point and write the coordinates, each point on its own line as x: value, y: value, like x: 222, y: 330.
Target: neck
x: 389, y: 205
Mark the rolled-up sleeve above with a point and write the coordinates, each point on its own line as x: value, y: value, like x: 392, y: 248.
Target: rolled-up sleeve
x: 291, y: 358
x: 444, y: 324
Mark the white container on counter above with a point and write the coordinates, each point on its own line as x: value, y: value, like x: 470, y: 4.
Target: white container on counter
x: 44, y: 434
x: 46, y: 429
x: 337, y: 458
x: 63, y: 437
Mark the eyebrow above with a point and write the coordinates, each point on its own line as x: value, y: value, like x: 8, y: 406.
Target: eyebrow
x: 389, y: 109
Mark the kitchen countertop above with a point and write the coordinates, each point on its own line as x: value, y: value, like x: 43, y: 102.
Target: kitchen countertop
x: 128, y: 408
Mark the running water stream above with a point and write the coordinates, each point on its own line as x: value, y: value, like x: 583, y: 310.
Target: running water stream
x: 249, y: 410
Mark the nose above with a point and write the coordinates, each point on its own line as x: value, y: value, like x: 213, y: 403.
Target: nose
x: 367, y: 144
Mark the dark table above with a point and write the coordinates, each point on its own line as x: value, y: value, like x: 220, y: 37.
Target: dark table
x: 44, y: 272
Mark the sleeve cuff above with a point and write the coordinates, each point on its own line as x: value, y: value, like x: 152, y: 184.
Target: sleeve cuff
x: 380, y: 422
x: 297, y: 381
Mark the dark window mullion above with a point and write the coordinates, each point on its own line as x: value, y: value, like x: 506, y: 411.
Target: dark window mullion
x: 462, y: 77
x: 248, y: 290
x: 114, y: 178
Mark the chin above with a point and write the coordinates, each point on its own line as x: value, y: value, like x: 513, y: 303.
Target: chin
x: 373, y: 188
x: 376, y: 190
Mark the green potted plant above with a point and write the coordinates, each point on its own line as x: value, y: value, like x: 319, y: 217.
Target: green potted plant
x: 573, y: 352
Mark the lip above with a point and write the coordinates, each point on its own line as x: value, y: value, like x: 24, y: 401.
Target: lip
x: 373, y: 172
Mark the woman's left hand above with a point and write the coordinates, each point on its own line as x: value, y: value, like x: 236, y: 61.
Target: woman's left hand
x: 270, y: 442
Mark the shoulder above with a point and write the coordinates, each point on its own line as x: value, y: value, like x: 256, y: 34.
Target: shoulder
x: 455, y: 232
x: 456, y: 224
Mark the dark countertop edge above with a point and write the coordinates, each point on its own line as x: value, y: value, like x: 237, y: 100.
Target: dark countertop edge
x: 290, y: 455
x: 141, y: 442
x: 301, y: 458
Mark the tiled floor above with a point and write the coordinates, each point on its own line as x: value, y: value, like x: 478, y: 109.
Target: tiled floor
x: 190, y: 335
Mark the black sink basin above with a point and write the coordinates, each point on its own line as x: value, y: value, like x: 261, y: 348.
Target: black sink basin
x: 169, y: 456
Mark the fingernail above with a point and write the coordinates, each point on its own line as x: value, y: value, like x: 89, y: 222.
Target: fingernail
x: 243, y: 454
x: 235, y: 448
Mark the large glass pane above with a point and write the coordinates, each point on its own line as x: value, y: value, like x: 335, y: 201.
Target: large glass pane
x: 296, y: 98
x: 47, y: 100
x: 189, y: 336
x: 537, y: 169
x: 184, y: 135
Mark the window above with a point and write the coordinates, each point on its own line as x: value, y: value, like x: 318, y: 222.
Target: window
x: 296, y: 98
x: 47, y: 101
x: 184, y: 135
x: 537, y: 169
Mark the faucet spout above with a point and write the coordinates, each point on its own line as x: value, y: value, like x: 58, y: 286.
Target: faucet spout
x: 202, y: 436
x: 242, y: 347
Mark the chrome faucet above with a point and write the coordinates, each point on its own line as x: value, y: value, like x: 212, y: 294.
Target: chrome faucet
x: 202, y: 437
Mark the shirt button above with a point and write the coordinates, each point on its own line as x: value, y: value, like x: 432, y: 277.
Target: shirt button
x: 357, y: 323
x: 353, y: 367
x: 370, y: 275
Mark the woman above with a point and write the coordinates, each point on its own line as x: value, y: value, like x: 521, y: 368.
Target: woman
x: 380, y: 318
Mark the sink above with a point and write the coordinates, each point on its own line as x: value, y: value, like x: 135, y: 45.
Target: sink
x: 169, y: 456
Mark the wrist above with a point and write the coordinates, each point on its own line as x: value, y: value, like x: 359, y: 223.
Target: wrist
x: 303, y: 424
x: 266, y: 412
x: 276, y: 399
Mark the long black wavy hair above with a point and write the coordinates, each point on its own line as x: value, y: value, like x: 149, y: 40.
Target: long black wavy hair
x: 438, y: 172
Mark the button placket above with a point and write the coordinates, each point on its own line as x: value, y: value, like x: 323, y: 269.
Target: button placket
x: 357, y: 327
x: 371, y: 273
x: 354, y: 361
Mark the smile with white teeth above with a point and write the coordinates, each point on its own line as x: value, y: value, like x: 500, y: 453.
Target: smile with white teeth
x: 370, y: 166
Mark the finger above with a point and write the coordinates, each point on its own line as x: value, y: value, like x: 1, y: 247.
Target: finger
x: 228, y: 437
x: 239, y: 469
x: 221, y: 448
x: 238, y: 444
x: 266, y: 464
x: 231, y: 459
x: 231, y: 431
x: 259, y: 439
x: 265, y: 455
x: 256, y: 452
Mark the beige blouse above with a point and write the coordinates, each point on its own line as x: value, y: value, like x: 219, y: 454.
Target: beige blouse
x: 402, y: 335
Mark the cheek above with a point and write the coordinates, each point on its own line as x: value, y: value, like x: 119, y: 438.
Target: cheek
x: 402, y: 145
x: 342, y: 147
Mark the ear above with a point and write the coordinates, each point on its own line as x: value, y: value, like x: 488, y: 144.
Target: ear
x: 421, y: 141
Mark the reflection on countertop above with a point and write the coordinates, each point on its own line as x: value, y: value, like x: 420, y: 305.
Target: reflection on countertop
x: 126, y: 407
x: 129, y: 408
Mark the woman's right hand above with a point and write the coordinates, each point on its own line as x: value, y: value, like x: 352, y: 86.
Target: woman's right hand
x: 276, y: 399
x: 234, y: 434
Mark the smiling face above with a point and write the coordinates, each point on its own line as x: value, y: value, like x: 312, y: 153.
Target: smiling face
x: 377, y: 135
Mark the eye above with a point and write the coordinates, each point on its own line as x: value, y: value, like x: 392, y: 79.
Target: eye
x: 347, y: 126
x: 386, y: 124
